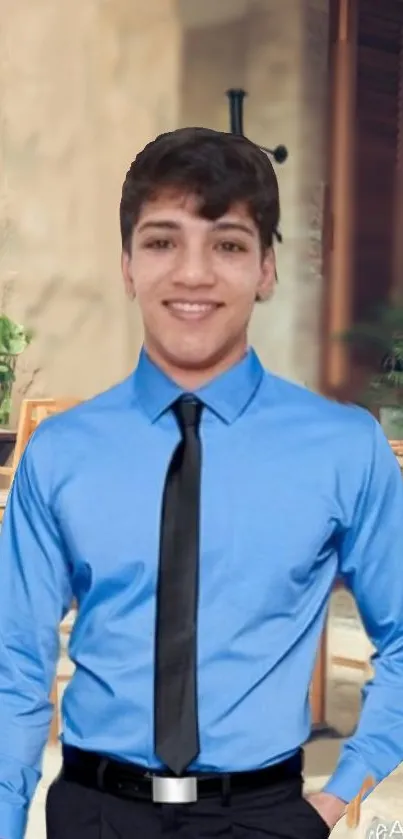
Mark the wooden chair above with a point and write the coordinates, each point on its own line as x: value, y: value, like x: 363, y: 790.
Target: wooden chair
x: 7, y: 471
x: 353, y: 809
x: 3, y: 499
x: 32, y: 413
x: 318, y: 685
x: 61, y: 678
x: 397, y: 448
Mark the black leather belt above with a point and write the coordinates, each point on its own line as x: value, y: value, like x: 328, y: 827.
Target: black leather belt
x: 131, y: 781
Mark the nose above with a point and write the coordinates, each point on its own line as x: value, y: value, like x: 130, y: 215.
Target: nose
x: 194, y: 269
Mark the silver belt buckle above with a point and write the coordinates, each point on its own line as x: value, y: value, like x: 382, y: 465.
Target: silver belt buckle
x: 174, y: 790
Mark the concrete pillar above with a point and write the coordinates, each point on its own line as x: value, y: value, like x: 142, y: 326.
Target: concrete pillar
x: 278, y: 53
x: 83, y: 86
x: 287, y: 80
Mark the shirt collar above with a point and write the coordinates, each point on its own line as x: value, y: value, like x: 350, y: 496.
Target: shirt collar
x: 227, y: 395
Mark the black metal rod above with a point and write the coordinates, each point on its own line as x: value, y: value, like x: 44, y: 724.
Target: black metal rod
x: 236, y: 98
x: 280, y: 153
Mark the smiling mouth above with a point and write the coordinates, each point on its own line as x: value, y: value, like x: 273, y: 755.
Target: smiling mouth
x: 186, y: 310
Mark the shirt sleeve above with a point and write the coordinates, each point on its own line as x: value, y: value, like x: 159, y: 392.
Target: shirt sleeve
x: 371, y: 563
x: 35, y: 594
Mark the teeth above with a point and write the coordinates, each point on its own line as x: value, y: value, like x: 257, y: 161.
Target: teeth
x: 192, y: 307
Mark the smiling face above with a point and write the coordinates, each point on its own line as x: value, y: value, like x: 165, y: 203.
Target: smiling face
x: 196, y: 282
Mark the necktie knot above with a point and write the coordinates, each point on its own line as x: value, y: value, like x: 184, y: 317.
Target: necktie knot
x: 188, y: 411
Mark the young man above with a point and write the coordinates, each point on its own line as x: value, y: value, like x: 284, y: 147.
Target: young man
x: 198, y: 513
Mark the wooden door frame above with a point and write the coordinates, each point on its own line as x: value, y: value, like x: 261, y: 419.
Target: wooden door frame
x: 337, y: 250
x: 398, y: 237
x: 338, y: 377
x: 338, y: 226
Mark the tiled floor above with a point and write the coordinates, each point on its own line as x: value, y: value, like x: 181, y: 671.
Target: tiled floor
x: 384, y: 804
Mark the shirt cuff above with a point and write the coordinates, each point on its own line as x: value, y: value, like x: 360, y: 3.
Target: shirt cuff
x: 13, y: 821
x: 348, y: 779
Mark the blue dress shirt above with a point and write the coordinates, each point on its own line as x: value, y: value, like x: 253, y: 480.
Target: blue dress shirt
x: 295, y: 490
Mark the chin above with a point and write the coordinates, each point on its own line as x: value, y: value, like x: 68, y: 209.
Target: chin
x: 192, y: 361
x: 196, y: 357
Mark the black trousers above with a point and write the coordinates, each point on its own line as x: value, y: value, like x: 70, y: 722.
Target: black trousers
x: 276, y: 812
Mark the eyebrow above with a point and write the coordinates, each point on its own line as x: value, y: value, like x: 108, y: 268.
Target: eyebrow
x: 234, y: 225
x: 159, y: 225
x: 167, y: 224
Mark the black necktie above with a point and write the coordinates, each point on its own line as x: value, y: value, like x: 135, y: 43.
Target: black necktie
x: 176, y: 723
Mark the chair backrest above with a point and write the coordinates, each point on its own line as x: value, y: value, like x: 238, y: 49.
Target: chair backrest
x: 32, y: 413
x: 353, y: 809
x: 397, y: 448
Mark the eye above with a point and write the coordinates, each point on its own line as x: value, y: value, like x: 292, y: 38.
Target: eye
x: 229, y: 246
x: 158, y: 244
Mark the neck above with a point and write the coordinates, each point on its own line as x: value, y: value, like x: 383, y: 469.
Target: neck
x: 193, y: 378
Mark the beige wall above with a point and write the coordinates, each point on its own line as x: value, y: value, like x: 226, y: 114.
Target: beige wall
x: 83, y: 86
x: 278, y: 53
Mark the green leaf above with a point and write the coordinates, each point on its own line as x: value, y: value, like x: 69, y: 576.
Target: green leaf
x: 383, y: 333
x: 14, y: 339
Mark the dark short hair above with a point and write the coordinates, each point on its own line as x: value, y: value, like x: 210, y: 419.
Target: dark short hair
x: 221, y: 169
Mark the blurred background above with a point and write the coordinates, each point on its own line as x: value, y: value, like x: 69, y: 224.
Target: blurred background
x: 83, y: 87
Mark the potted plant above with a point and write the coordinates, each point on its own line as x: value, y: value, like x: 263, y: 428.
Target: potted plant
x: 382, y: 335
x: 14, y: 339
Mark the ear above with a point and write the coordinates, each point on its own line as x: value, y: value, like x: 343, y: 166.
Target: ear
x: 267, y: 276
x: 126, y: 264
